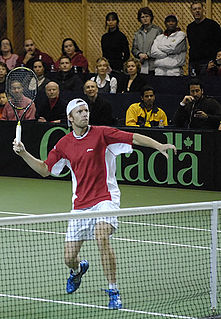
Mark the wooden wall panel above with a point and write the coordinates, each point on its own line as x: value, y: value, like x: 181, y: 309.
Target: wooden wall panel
x: 51, y: 22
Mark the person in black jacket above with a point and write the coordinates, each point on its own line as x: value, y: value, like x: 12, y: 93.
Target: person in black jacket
x: 51, y: 107
x: 114, y: 44
x: 204, y: 36
x: 67, y: 79
x: 198, y: 111
x: 100, y: 110
x: 133, y: 81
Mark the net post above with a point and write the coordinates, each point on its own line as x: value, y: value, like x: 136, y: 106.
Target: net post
x: 213, y: 257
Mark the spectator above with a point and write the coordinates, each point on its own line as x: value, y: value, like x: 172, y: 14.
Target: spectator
x: 31, y: 54
x: 71, y: 50
x: 66, y: 77
x: 100, y: 110
x: 134, y: 80
x: 204, y: 36
x: 105, y: 82
x: 214, y: 66
x: 3, y: 101
x: 51, y: 108
x: 114, y: 43
x: 20, y: 101
x: 144, y: 38
x: 39, y: 68
x: 198, y: 111
x: 3, y: 73
x: 169, y: 49
x: 146, y: 113
x: 6, y: 53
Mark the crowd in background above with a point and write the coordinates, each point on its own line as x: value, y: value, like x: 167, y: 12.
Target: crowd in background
x: 154, y: 52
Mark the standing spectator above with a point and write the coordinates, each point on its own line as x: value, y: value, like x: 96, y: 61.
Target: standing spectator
x: 204, y: 36
x: 105, y: 82
x: 71, y: 50
x: 31, y: 54
x: 169, y: 49
x: 214, y: 66
x: 144, y: 38
x: 39, y: 68
x: 146, y: 113
x: 100, y: 110
x: 3, y: 101
x: 66, y: 77
x: 6, y: 53
x: 3, y: 73
x: 197, y: 110
x: 114, y: 44
x: 134, y: 80
x: 51, y: 108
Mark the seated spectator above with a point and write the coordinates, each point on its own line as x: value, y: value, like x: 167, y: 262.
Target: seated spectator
x: 100, y: 110
x: 134, y: 80
x: 51, y: 107
x: 6, y: 53
x: 39, y: 68
x: 66, y: 77
x: 214, y: 66
x: 169, y: 49
x: 21, y: 101
x: 3, y: 101
x: 146, y: 113
x: 3, y: 73
x: 31, y: 54
x: 105, y: 82
x: 197, y: 110
x: 71, y: 50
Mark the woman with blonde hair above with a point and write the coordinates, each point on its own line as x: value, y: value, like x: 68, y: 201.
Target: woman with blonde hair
x: 105, y: 82
x: 134, y: 80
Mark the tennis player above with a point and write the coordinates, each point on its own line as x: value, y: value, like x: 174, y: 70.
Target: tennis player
x: 90, y: 153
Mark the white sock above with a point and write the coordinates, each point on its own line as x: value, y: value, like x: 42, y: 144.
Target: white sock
x: 76, y: 271
x: 113, y: 286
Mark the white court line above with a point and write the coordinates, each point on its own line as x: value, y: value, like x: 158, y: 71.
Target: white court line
x: 12, y: 213
x: 95, y: 306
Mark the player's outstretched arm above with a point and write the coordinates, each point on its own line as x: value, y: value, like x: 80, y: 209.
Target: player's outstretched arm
x: 37, y: 165
x: 146, y: 141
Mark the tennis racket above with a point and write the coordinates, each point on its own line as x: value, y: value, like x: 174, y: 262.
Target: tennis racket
x: 21, y: 89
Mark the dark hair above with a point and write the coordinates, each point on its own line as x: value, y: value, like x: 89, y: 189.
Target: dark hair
x: 76, y: 47
x: 112, y: 15
x: 196, y: 2
x: 145, y: 10
x: 9, y: 44
x: 46, y: 68
x: 64, y: 57
x: 4, y: 65
x: 194, y: 81
x: 147, y: 88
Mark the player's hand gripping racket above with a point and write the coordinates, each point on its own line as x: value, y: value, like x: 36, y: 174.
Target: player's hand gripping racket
x: 21, y: 89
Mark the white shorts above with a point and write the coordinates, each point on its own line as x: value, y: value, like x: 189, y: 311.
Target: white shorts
x: 83, y: 229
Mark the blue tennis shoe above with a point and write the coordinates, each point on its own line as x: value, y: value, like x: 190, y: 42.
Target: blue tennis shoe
x: 74, y: 281
x: 115, y: 301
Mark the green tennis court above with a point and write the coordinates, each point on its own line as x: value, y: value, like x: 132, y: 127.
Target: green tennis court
x: 163, y: 259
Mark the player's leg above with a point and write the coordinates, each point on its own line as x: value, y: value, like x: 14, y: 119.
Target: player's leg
x: 73, y: 242
x: 103, y: 231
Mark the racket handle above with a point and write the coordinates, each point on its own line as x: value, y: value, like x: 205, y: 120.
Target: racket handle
x: 18, y: 132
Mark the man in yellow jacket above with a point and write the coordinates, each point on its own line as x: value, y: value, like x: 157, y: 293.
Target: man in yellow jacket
x: 145, y: 113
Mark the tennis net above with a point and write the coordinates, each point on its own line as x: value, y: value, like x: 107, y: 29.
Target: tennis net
x: 168, y: 265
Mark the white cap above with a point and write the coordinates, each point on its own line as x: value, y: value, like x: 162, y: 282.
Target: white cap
x: 72, y: 105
